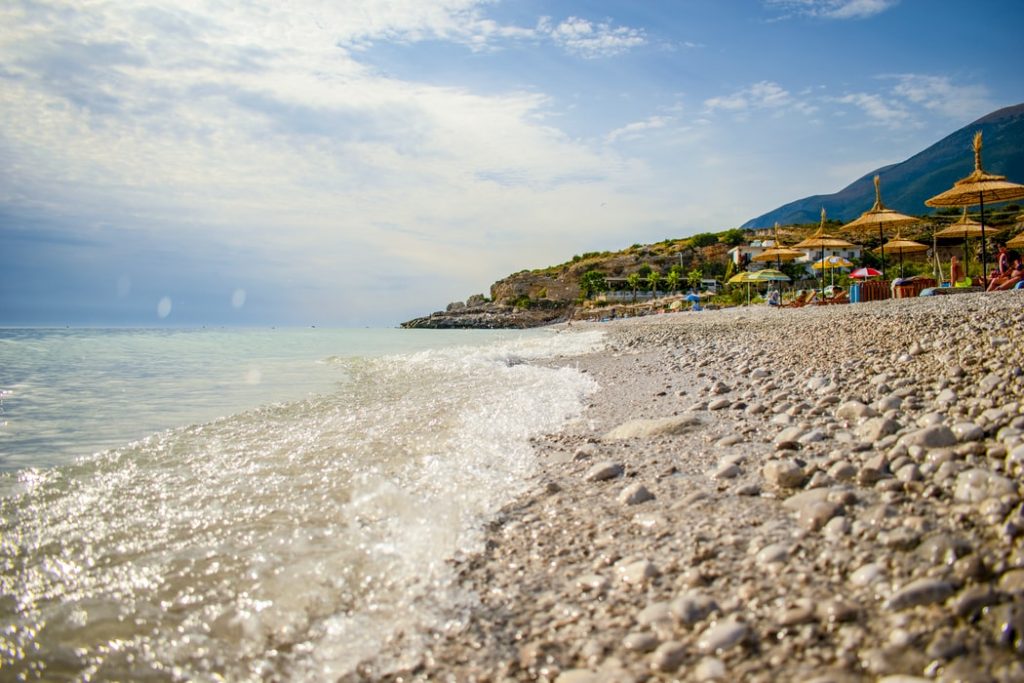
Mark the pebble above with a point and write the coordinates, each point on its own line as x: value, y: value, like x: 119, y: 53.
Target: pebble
x: 877, y: 427
x: 976, y: 484
x: 638, y: 573
x: 773, y: 554
x: 783, y: 473
x: 709, y: 669
x: 971, y: 600
x: 936, y: 436
x: 591, y: 582
x: 722, y: 636
x: 867, y: 574
x: 692, y: 608
x: 814, y: 516
x: 1012, y: 581
x: 644, y: 641
x: 920, y: 592
x: 727, y: 471
x: 634, y: 494
x: 669, y: 656
x: 677, y: 424
x: 653, y: 613
x: 854, y: 411
x: 603, y: 471
x: 968, y: 431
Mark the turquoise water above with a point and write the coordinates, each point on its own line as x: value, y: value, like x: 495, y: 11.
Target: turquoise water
x: 69, y: 393
x: 252, y: 505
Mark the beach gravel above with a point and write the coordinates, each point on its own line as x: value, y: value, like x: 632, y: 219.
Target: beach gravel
x: 830, y: 493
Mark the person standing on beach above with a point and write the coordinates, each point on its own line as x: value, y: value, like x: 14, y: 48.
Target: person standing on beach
x: 956, y: 271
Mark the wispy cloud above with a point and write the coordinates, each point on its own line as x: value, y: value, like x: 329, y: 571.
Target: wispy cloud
x: 637, y: 129
x: 879, y: 109
x: 589, y: 39
x: 832, y: 9
x: 763, y: 95
x: 913, y: 98
x: 957, y: 101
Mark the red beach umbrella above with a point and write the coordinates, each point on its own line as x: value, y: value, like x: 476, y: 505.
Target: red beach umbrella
x: 864, y: 273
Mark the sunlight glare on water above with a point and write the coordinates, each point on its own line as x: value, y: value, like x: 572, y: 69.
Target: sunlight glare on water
x: 285, y: 542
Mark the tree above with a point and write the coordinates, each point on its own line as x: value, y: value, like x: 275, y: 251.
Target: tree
x: 734, y: 237
x: 673, y: 279
x: 593, y: 282
x: 633, y: 280
x: 703, y: 239
x: 693, y: 279
x: 653, y: 278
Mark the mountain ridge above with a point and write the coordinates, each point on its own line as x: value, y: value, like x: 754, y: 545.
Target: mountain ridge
x: 905, y: 185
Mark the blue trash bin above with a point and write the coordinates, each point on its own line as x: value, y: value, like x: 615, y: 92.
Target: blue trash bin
x: 855, y: 293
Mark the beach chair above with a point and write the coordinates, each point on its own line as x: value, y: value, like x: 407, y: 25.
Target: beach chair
x: 801, y: 299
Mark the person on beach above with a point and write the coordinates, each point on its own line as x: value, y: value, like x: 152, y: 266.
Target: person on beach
x: 773, y: 298
x: 1002, y: 262
x: 1008, y: 279
x: 956, y: 271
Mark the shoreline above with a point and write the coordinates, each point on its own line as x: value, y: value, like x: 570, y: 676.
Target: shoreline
x: 827, y: 494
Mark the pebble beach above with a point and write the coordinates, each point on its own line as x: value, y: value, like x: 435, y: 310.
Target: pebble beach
x: 832, y: 493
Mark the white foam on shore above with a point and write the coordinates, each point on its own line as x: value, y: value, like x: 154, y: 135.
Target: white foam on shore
x: 285, y: 542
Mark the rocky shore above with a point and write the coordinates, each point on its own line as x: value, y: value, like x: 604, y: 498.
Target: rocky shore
x: 822, y: 494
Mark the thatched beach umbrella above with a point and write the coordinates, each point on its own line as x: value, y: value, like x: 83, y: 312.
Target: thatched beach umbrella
x: 1016, y: 242
x: 977, y: 188
x: 880, y: 217
x: 965, y: 228
x: 904, y: 247
x: 820, y: 240
x: 778, y: 253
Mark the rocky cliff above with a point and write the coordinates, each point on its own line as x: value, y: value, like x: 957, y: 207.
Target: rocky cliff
x: 541, y: 297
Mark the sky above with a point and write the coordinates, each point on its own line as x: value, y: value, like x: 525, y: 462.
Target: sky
x: 361, y: 162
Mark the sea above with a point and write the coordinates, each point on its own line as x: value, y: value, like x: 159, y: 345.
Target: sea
x: 273, y: 504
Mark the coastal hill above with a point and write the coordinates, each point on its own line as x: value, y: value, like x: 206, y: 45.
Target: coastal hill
x: 906, y: 185
x: 531, y: 298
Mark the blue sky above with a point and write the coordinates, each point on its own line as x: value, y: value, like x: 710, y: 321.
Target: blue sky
x: 358, y: 163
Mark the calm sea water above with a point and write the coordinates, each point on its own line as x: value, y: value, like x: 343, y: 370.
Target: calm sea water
x: 191, y: 505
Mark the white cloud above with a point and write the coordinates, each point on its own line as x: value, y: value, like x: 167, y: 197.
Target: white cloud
x: 764, y: 95
x: 257, y: 128
x: 833, y: 9
x: 636, y: 129
x: 915, y: 97
x: 938, y: 93
x: 591, y: 40
x: 879, y: 109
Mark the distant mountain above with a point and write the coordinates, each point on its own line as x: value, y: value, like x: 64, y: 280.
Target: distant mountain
x: 906, y: 185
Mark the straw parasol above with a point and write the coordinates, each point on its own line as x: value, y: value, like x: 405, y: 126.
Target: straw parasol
x: 977, y: 188
x: 965, y: 228
x: 1016, y: 242
x: 881, y: 217
x: 904, y: 246
x: 820, y: 240
x: 778, y: 253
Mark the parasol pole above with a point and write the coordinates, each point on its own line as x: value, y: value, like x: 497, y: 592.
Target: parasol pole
x: 881, y: 244
x: 984, y: 257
